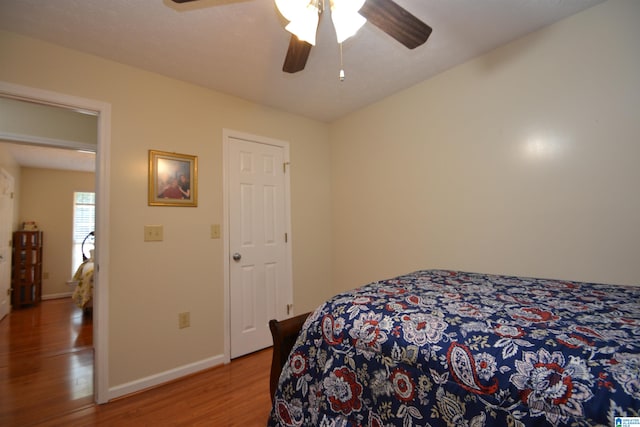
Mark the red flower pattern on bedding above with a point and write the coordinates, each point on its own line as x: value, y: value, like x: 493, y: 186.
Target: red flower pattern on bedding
x: 443, y: 348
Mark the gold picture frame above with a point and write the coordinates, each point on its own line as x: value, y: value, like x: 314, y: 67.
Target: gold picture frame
x: 173, y: 179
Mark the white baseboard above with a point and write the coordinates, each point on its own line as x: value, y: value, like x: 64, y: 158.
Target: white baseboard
x: 163, y: 377
x: 57, y: 296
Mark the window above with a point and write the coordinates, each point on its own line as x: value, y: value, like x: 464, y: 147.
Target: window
x: 84, y: 222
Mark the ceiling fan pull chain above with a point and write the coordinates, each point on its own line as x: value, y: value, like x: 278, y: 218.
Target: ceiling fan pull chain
x: 341, y: 65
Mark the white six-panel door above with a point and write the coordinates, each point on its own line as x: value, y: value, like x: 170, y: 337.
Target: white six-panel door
x: 259, y: 272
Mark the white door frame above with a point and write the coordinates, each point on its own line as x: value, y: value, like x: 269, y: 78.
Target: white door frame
x: 227, y: 134
x: 101, y: 294
x: 6, y: 260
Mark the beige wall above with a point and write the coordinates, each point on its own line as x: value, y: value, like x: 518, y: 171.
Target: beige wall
x: 150, y: 283
x: 46, y: 196
x: 522, y: 161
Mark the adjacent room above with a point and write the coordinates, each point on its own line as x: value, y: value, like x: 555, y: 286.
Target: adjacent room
x: 504, y: 144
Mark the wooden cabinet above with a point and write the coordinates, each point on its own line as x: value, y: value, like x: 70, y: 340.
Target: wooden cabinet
x: 26, y: 268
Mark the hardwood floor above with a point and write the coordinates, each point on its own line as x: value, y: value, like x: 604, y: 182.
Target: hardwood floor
x: 46, y: 374
x: 46, y: 362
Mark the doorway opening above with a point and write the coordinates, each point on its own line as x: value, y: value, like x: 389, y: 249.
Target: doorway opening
x: 102, y: 165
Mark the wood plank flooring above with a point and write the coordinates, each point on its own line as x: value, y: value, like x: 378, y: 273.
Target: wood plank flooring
x: 46, y: 371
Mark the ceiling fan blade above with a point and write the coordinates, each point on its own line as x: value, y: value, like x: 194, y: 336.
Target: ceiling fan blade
x: 297, y: 55
x: 182, y: 1
x: 396, y: 22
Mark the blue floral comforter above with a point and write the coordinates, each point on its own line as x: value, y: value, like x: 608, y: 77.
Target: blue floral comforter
x: 445, y: 348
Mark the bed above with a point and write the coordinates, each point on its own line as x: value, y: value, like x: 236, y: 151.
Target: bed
x: 82, y: 281
x: 448, y: 348
x: 83, y: 285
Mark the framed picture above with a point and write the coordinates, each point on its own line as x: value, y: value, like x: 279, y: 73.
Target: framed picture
x: 173, y: 179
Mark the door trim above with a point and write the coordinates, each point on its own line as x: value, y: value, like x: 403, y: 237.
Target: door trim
x: 227, y: 134
x: 103, y: 166
x: 5, y: 304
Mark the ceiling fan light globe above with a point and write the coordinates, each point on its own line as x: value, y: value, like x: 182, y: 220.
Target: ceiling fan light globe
x: 305, y: 26
x: 346, y: 23
x: 291, y: 9
x: 346, y: 5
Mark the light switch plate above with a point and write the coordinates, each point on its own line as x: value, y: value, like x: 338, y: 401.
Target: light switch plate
x: 153, y: 233
x: 184, y: 320
x: 215, y: 231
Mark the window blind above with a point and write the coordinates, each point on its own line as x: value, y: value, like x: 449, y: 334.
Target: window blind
x: 84, y: 222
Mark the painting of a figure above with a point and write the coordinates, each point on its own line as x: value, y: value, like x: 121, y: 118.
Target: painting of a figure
x: 172, y: 179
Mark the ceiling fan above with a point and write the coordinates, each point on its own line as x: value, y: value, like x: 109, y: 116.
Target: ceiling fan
x: 387, y: 15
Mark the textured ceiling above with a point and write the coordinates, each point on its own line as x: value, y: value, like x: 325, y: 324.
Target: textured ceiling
x: 238, y: 46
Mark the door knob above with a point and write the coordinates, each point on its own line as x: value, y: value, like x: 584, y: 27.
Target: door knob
x: 237, y: 257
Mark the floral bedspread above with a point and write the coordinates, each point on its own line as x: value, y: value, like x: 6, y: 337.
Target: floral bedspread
x: 446, y: 348
x: 83, y: 293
